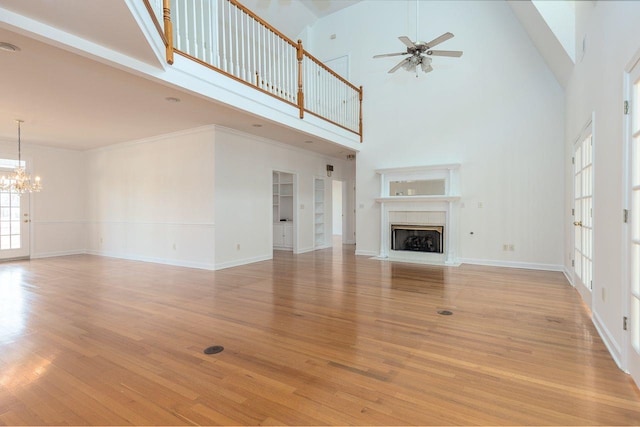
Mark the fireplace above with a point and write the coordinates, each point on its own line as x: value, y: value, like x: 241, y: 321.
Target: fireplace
x: 417, y: 238
x: 419, y: 209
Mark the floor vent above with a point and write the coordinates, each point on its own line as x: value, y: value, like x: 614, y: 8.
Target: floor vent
x: 214, y: 349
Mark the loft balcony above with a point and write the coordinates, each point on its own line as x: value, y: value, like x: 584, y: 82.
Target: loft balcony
x: 228, y: 67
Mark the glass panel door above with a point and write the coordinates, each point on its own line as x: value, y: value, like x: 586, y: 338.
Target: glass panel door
x: 583, y: 212
x: 14, y: 224
x: 633, y: 220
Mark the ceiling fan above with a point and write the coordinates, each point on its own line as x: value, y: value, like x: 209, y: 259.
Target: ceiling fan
x: 420, y: 54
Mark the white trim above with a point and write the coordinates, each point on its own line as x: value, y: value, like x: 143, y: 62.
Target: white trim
x: 145, y: 22
x: 58, y: 254
x: 239, y: 262
x: 568, y: 275
x: 152, y: 139
x: 609, y: 341
x: 587, y: 129
x: 366, y: 253
x: 256, y: 138
x: 166, y: 261
x: 305, y: 250
x: 513, y: 264
x: 192, y: 224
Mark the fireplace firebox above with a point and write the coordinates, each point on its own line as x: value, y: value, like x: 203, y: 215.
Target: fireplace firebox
x: 417, y: 238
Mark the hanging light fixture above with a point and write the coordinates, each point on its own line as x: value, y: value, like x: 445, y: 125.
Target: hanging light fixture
x: 20, y: 181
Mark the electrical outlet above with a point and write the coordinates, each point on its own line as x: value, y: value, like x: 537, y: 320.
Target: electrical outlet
x: 604, y: 296
x: 480, y: 205
x: 511, y: 247
x: 238, y: 247
x: 174, y: 246
x: 505, y: 247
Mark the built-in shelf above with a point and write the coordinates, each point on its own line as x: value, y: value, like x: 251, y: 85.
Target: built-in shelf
x: 282, y: 210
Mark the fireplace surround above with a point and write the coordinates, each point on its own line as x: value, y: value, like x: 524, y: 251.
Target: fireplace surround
x: 419, y: 228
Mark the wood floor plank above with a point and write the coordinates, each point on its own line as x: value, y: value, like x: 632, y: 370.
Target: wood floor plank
x: 319, y: 338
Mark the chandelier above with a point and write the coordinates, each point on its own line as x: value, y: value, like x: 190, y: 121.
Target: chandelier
x: 20, y: 181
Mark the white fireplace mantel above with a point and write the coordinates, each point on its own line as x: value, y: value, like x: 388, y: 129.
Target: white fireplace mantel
x: 443, y: 206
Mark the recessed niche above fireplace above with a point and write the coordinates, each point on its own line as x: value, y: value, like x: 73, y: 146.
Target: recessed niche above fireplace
x: 419, y: 214
x: 412, y: 183
x: 420, y: 187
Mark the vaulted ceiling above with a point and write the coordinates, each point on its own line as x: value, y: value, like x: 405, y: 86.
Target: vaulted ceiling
x: 71, y: 99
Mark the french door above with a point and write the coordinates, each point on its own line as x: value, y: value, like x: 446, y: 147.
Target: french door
x: 633, y: 221
x: 583, y: 214
x: 14, y: 224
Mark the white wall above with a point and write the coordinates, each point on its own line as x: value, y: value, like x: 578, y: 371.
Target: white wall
x: 497, y: 110
x: 57, y: 212
x: 596, y: 88
x: 153, y: 200
x: 244, y: 166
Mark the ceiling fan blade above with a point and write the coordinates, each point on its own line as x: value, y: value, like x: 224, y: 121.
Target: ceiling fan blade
x: 390, y: 54
x: 400, y: 64
x: 454, y: 53
x: 438, y: 40
x: 407, y: 41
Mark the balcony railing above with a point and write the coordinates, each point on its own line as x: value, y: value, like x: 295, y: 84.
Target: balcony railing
x: 229, y: 38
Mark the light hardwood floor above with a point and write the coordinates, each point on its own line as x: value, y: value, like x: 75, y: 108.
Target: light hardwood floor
x: 319, y: 338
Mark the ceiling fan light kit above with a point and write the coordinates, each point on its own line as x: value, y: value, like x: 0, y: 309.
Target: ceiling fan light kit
x: 420, y: 54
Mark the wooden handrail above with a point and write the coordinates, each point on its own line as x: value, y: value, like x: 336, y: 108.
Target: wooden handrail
x: 263, y: 22
x: 168, y: 29
x: 360, y: 96
x: 284, y: 93
x: 299, y: 57
x: 231, y: 76
x: 155, y: 21
x: 330, y: 71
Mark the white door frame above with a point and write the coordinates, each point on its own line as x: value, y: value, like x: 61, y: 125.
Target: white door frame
x: 583, y: 288
x: 25, y: 229
x: 630, y: 357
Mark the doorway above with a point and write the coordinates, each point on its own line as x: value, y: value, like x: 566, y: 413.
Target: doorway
x: 583, y: 214
x: 14, y: 219
x: 632, y: 213
x: 337, y: 213
x: 284, y: 214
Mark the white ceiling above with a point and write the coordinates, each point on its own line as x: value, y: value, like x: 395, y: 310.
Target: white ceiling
x: 68, y: 100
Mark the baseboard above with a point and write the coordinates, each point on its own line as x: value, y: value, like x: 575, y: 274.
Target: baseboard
x: 58, y: 253
x: 244, y: 261
x: 513, y: 264
x: 366, y: 253
x: 569, y: 276
x: 177, y: 263
x: 305, y: 250
x: 607, y: 338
